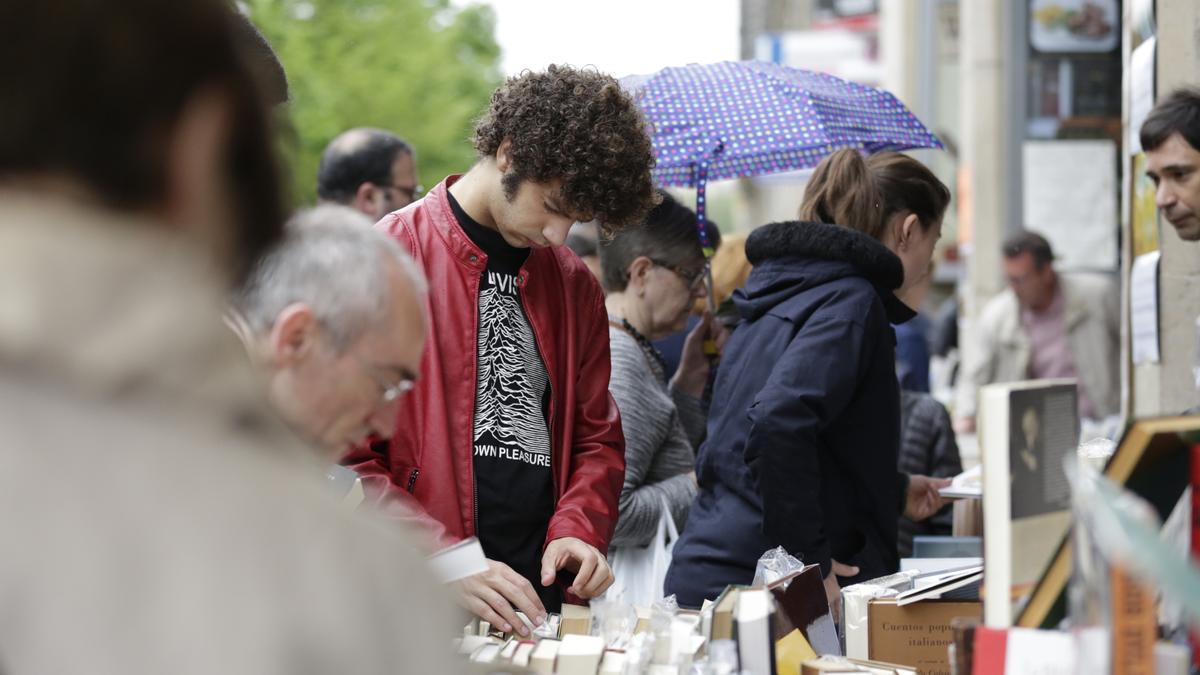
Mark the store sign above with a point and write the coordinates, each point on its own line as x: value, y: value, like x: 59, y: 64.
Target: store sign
x: 1074, y: 25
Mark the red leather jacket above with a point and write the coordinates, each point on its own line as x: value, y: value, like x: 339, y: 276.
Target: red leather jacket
x: 428, y: 465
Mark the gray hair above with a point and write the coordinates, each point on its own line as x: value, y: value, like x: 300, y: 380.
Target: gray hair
x: 336, y: 263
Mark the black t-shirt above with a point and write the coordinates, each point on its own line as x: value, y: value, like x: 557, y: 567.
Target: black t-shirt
x: 514, y: 489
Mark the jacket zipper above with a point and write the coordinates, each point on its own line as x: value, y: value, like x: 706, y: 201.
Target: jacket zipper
x: 412, y: 480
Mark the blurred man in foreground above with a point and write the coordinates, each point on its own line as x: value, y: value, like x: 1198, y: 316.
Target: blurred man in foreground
x: 371, y: 170
x: 333, y: 318
x: 154, y: 517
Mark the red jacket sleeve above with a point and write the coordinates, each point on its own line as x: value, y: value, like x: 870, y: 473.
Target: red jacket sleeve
x: 587, y: 509
x: 389, y: 500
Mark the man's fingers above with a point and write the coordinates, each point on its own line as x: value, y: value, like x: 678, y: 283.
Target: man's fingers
x: 549, y: 565
x: 601, y: 579
x: 485, y: 612
x: 587, y: 566
x: 507, y: 615
x: 519, y: 592
x: 844, y: 570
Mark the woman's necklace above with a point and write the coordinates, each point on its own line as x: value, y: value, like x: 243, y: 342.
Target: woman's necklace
x: 643, y: 342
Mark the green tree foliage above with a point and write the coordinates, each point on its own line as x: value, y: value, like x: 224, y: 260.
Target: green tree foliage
x: 419, y: 68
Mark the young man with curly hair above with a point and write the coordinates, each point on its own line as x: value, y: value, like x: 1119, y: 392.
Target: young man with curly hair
x: 510, y: 434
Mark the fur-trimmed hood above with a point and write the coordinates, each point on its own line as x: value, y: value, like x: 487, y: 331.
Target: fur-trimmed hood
x: 794, y: 256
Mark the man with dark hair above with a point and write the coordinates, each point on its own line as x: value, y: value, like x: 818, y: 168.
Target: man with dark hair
x: 370, y: 170
x: 156, y: 517
x: 1171, y: 140
x: 510, y: 433
x: 1045, y: 325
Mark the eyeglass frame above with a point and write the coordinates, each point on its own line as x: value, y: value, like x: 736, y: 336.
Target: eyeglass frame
x: 389, y: 392
x: 692, y: 280
x: 414, y: 193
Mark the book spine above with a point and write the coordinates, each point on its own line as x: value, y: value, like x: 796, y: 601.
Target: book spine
x: 1134, y: 625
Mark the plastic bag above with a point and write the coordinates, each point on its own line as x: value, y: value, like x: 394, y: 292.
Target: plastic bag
x: 639, y: 572
x: 774, y: 565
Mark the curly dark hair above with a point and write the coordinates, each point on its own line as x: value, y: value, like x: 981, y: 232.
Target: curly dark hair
x: 578, y: 126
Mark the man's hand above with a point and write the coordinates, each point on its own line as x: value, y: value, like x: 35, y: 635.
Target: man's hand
x: 694, y: 365
x: 964, y: 425
x: 833, y: 590
x: 923, y: 499
x: 492, y: 595
x: 592, y: 574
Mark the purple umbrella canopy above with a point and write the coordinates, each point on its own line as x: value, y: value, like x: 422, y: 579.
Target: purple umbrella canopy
x: 750, y: 118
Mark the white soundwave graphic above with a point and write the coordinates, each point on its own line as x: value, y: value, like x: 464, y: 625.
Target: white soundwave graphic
x: 511, y: 377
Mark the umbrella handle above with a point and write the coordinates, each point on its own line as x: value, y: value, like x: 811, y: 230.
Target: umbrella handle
x: 710, y: 345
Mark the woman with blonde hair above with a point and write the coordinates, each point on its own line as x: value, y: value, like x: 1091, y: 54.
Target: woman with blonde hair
x: 804, y: 433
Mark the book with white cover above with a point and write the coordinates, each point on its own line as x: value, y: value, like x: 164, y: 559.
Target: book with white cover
x: 542, y: 658
x: 579, y: 655
x: 935, y: 585
x: 755, y: 634
x: 1027, y: 430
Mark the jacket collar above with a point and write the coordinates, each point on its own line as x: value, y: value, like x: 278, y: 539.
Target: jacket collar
x: 442, y: 217
x: 810, y: 240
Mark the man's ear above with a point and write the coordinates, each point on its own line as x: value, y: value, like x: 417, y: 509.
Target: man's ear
x: 293, y: 335
x: 365, y: 198
x: 504, y: 155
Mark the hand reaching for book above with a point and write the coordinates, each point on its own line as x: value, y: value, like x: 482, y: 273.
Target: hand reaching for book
x: 923, y: 499
x: 593, y: 576
x: 497, y: 594
x: 833, y: 590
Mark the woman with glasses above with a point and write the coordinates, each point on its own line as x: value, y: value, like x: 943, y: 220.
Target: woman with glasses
x: 652, y: 276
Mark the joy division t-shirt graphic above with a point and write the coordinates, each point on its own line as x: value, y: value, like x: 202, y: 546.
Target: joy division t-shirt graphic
x: 511, y: 381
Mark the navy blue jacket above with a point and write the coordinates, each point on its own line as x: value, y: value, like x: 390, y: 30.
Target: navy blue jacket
x: 804, y: 431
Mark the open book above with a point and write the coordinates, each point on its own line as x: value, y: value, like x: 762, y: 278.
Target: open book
x: 966, y: 485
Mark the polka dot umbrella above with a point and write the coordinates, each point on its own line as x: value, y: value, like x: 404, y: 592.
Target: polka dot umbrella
x: 749, y: 118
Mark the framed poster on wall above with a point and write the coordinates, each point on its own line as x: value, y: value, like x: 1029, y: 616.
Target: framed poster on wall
x: 1074, y: 26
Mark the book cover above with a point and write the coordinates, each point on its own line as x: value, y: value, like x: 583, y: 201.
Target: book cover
x: 1027, y: 430
x: 919, y: 634
x: 800, y: 597
x: 1152, y: 461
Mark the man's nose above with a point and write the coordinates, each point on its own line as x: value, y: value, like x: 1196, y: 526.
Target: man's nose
x: 1164, y: 197
x: 556, y: 232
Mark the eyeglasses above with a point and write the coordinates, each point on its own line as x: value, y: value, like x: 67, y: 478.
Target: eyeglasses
x: 390, y: 391
x: 693, y: 278
x: 413, y: 192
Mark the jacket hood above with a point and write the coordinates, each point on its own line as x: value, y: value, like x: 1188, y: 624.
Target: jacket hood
x: 794, y: 256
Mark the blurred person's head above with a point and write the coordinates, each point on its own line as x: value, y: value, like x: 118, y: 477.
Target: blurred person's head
x: 584, y: 241
x: 654, y: 272
x: 371, y: 170
x: 1171, y: 140
x: 888, y: 196
x: 145, y: 107
x: 1029, y: 269
x: 336, y: 322
x: 561, y: 146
